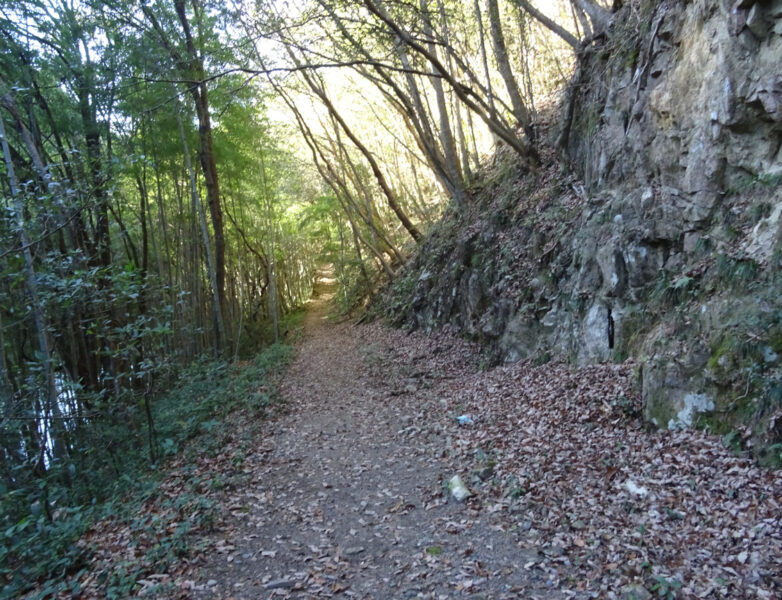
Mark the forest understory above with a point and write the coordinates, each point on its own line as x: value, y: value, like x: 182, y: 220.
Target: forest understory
x: 343, y: 491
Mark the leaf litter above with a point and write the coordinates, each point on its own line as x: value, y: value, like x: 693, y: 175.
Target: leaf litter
x: 346, y: 495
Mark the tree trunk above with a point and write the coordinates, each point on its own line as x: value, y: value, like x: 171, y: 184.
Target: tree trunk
x: 503, y: 65
x: 6, y: 388
x: 526, y: 152
x: 410, y: 107
x: 455, y: 107
x: 51, y: 410
x: 550, y: 24
x: 206, y: 151
x: 85, y: 91
x: 446, y: 133
x: 273, y: 291
x: 484, y: 57
x: 599, y: 16
x: 376, y: 170
x: 216, y: 306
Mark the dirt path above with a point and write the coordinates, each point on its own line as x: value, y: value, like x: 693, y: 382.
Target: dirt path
x: 573, y: 496
x: 346, y: 497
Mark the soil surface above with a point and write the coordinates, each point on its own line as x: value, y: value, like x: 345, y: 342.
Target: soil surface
x: 347, y: 496
x: 345, y: 493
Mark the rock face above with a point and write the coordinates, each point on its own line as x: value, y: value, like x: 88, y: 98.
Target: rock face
x: 667, y: 245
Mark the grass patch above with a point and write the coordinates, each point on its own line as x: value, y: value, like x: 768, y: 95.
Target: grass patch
x: 736, y: 273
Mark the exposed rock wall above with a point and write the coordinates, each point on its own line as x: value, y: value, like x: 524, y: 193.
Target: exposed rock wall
x: 668, y: 245
x: 682, y: 137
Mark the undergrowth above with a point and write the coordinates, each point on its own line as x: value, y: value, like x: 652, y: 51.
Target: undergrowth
x: 41, y: 527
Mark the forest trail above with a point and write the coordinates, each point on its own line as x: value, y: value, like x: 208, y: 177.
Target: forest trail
x: 346, y: 497
x: 573, y: 497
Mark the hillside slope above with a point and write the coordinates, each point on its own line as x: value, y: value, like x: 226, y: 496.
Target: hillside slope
x: 660, y: 240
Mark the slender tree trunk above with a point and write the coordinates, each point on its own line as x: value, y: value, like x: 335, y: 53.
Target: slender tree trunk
x: 51, y: 410
x: 446, y: 133
x: 410, y: 106
x: 6, y: 389
x: 503, y: 65
x: 216, y: 306
x: 85, y: 91
x: 475, y: 154
x: 273, y: 292
x: 549, y: 23
x: 376, y: 170
x: 484, y: 57
x: 369, y: 215
x: 523, y: 24
x: 598, y: 15
x: 156, y: 250
x: 423, y: 128
x: 330, y: 176
x: 581, y: 22
x: 144, y: 266
x: 91, y: 343
x: 166, y: 250
x: 206, y: 154
x: 454, y: 105
x: 526, y: 152
x: 359, y: 254
x: 463, y: 150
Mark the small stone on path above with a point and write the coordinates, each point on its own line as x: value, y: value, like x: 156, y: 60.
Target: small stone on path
x: 278, y: 584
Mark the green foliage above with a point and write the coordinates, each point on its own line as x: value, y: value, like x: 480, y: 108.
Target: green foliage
x: 167, y: 531
x: 666, y: 588
x: 733, y: 441
x: 669, y: 293
x: 41, y: 547
x: 775, y: 339
x: 744, y: 366
x: 42, y: 522
x: 588, y: 121
x: 627, y: 407
x: 736, y: 273
x: 115, y: 280
x: 739, y: 358
x: 772, y: 456
x: 634, y: 326
x: 354, y: 288
x: 209, y: 390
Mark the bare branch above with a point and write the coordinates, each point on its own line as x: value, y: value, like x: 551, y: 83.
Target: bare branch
x: 550, y: 24
x: 463, y: 92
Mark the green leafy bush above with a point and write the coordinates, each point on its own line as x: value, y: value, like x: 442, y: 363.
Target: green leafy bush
x: 39, y: 547
x: 43, y: 519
